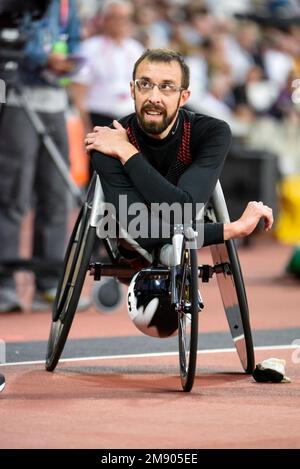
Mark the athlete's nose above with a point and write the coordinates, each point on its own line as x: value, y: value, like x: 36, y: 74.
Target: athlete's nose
x: 154, y: 95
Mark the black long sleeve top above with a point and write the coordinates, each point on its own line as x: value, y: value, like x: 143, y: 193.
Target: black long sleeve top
x: 209, y: 145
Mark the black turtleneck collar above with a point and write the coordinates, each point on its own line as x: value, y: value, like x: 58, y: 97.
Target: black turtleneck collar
x: 156, y: 142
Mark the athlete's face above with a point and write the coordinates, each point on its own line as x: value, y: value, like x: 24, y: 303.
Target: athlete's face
x: 157, y: 109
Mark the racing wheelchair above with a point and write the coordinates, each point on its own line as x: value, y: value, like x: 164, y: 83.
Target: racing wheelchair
x: 178, y: 282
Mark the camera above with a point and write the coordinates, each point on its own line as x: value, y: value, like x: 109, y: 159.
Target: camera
x: 12, y: 36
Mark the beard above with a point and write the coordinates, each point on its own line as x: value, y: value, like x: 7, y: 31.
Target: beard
x: 155, y: 128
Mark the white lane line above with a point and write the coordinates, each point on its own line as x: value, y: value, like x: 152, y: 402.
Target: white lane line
x: 146, y: 355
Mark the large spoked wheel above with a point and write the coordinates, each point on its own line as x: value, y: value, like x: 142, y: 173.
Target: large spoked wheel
x: 233, y: 293
x: 231, y: 284
x: 76, y: 263
x: 187, y: 308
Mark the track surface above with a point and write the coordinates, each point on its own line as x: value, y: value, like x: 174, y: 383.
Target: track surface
x: 120, y: 389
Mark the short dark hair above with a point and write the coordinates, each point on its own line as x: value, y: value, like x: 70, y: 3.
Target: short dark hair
x: 167, y: 56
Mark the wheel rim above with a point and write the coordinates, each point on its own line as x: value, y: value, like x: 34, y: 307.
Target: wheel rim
x: 76, y: 263
x: 72, y: 268
x: 185, y: 343
x: 188, y: 323
x: 56, y: 329
x: 235, y: 304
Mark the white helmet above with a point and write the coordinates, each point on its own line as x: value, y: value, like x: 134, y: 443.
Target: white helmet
x: 149, y: 305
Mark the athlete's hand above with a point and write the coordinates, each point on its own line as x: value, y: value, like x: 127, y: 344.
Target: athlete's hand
x: 112, y: 142
x: 248, y: 221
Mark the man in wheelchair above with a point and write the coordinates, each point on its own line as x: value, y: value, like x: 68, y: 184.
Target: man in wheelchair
x: 164, y: 154
x: 160, y: 156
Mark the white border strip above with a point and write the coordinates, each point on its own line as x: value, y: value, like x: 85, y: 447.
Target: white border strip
x: 146, y: 355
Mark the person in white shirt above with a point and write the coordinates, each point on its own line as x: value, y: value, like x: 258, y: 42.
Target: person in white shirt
x: 101, y: 89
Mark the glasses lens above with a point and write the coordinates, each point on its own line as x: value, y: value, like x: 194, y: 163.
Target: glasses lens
x: 166, y: 89
x: 143, y: 85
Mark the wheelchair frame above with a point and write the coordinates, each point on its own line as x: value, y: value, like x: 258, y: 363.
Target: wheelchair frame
x: 183, y: 277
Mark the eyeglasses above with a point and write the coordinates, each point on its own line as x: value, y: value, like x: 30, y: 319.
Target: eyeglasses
x: 166, y: 88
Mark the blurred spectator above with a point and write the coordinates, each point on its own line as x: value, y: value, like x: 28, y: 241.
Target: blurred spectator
x: 215, y: 102
x: 26, y: 166
x: 241, y: 50
x: 278, y: 61
x: 277, y: 8
x: 101, y: 89
x: 201, y: 24
x: 278, y: 130
x: 256, y: 95
x: 153, y: 23
x: 221, y: 8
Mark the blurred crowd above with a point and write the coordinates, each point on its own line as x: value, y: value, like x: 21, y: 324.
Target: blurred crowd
x: 244, y: 57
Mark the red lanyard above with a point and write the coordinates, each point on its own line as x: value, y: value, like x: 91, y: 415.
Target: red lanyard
x: 64, y: 13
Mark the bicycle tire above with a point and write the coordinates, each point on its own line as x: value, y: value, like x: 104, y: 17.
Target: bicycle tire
x: 188, y: 339
x: 76, y: 263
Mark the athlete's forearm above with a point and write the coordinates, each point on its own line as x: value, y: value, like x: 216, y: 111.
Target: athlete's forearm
x: 154, y: 187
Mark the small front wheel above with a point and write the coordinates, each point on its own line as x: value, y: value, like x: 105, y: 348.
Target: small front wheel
x: 187, y: 285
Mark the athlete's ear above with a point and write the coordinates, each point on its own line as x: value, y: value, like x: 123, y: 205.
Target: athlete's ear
x: 185, y: 94
x: 132, y: 89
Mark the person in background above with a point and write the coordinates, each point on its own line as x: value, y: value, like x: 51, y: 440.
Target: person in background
x: 28, y: 174
x: 100, y: 90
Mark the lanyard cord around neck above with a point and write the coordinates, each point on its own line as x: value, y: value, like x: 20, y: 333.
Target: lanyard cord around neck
x: 64, y: 14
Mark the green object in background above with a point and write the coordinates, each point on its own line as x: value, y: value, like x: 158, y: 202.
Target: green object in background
x: 61, y: 47
x: 64, y: 81
x: 293, y: 266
